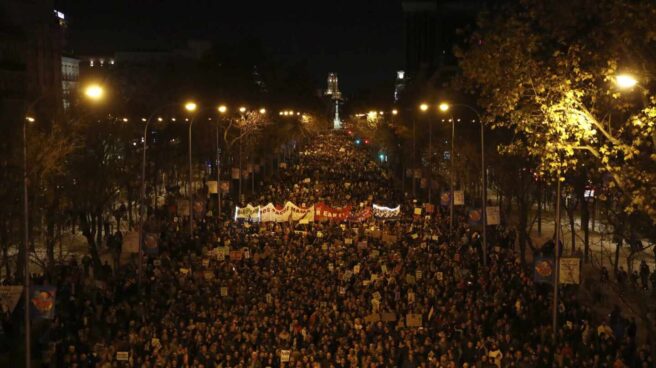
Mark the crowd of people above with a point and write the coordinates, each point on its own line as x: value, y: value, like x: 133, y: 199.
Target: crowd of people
x: 403, y: 292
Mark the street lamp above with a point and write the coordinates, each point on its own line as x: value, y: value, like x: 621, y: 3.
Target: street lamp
x: 242, y: 110
x: 191, y: 107
x: 94, y: 92
x: 395, y: 112
x: 625, y: 81
x: 424, y: 107
x: 444, y: 107
x: 263, y: 111
x: 222, y: 111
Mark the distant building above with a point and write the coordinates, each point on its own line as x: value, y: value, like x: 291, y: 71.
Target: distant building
x: 31, y: 41
x: 70, y: 79
x: 332, y: 91
x: 399, y: 85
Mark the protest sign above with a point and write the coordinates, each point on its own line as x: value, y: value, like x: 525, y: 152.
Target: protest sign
x: 569, y: 271
x: 42, y: 301
x: 458, y: 198
x: 122, y: 356
x: 224, y: 291
x: 493, y: 215
x: 284, y: 354
x: 413, y: 320
x: 131, y: 242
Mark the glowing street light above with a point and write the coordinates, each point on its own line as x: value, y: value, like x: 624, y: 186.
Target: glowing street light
x: 30, y: 119
x: 625, y: 81
x: 94, y: 92
x: 190, y: 106
x: 395, y: 112
x: 423, y: 107
x: 444, y: 107
x: 242, y: 109
x: 222, y: 109
x: 263, y: 111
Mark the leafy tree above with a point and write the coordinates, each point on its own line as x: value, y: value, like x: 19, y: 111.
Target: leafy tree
x: 545, y: 70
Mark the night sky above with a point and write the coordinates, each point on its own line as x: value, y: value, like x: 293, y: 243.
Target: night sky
x: 362, y: 40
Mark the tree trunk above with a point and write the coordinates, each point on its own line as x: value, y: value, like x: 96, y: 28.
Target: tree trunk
x: 572, y: 226
x: 617, y: 253
x: 88, y: 232
x: 523, y: 226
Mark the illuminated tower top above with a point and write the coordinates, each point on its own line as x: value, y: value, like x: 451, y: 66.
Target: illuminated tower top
x: 333, y: 87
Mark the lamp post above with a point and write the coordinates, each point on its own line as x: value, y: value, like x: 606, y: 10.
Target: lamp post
x: 222, y: 111
x: 242, y: 110
x: 424, y: 107
x: 92, y: 92
x: 142, y: 209
x: 444, y: 107
x: 191, y: 107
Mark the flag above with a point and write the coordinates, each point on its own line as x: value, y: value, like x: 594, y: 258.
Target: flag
x: 474, y: 217
x: 543, y: 269
x: 445, y: 199
x: 42, y: 301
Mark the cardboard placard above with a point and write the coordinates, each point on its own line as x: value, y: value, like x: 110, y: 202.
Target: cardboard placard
x: 224, y: 291
x: 122, y: 356
x: 388, y: 317
x: 413, y: 320
x: 372, y: 318
x: 284, y: 354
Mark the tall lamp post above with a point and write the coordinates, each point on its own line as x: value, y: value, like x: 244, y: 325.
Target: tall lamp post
x: 142, y: 199
x: 242, y: 110
x: 423, y: 108
x: 222, y: 111
x: 444, y: 107
x: 191, y: 107
x: 92, y: 92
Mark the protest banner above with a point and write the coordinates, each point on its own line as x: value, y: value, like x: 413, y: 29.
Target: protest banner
x: 122, y: 356
x: 569, y: 270
x: 324, y: 212
x: 386, y: 213
x: 250, y: 213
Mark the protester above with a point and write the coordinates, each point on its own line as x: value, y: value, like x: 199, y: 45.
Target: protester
x: 402, y: 292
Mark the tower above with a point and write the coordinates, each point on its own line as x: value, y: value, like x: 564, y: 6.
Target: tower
x: 336, y: 96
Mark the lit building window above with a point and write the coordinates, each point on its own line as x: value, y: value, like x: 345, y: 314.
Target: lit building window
x: 91, y: 62
x: 102, y: 62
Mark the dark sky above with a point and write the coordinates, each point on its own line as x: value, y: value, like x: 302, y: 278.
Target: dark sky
x: 362, y: 40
